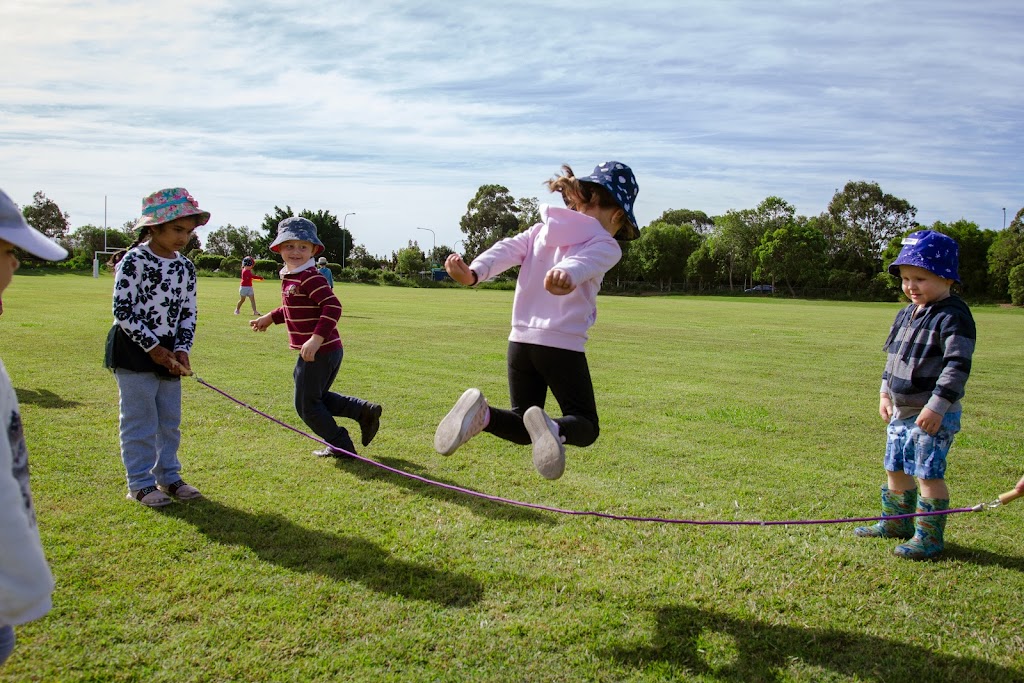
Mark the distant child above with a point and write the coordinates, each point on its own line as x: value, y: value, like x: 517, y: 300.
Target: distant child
x: 25, y: 580
x: 311, y: 312
x: 325, y: 271
x: 245, y: 290
x: 929, y: 360
x: 148, y: 346
x: 563, y: 259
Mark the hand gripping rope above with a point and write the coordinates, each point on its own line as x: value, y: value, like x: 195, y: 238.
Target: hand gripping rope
x: 1001, y: 500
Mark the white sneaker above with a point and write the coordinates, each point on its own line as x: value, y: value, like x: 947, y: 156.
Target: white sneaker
x: 467, y: 419
x: 548, y: 451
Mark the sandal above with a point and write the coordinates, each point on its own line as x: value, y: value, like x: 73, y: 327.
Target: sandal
x: 150, y: 496
x: 181, y: 490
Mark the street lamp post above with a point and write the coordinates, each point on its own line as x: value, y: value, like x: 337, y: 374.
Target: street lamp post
x: 344, y: 221
x: 434, y: 247
x: 1004, y: 218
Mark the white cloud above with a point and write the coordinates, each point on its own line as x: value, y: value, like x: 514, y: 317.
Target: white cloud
x: 398, y: 111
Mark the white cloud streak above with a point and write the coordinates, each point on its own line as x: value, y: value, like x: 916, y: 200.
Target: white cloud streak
x: 398, y: 111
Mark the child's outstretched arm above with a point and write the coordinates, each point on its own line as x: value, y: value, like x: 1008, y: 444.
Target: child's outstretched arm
x: 558, y: 282
x: 459, y: 271
x: 261, y: 323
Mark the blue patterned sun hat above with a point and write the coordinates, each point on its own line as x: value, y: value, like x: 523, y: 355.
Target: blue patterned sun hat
x: 933, y: 251
x: 297, y: 228
x: 618, y: 179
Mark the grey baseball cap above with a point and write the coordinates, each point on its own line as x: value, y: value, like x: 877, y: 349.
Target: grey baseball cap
x: 15, y: 230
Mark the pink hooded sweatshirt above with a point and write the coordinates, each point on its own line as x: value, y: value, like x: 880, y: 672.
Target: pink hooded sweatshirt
x: 570, y: 240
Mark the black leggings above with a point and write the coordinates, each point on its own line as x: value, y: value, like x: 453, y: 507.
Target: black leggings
x: 532, y: 369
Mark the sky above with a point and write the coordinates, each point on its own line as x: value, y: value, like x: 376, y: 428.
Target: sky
x: 391, y: 114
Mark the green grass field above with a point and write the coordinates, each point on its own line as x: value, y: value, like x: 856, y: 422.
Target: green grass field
x: 296, y: 568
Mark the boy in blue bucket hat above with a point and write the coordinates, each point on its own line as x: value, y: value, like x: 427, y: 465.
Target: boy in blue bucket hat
x: 311, y: 311
x: 929, y: 360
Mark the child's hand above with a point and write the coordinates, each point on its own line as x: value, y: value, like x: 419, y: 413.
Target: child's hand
x: 1020, y: 485
x: 182, y: 358
x: 165, y: 358
x: 558, y: 282
x: 309, y: 349
x: 261, y: 323
x: 885, y: 407
x: 459, y: 271
x: 929, y: 421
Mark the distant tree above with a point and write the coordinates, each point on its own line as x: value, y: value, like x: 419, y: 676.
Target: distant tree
x: 705, y: 264
x: 528, y: 210
x: 860, y: 222
x: 359, y: 257
x: 698, y: 219
x: 45, y: 216
x: 662, y: 251
x: 337, y: 242
x: 793, y: 254
x: 438, y: 255
x: 491, y: 215
x: 232, y: 241
x: 737, y: 234
x: 410, y: 259
x: 1006, y: 252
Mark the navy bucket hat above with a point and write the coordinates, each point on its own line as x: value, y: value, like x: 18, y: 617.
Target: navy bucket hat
x: 618, y: 179
x: 933, y: 251
x: 296, y: 228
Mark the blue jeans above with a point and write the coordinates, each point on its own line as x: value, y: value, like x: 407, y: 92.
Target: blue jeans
x: 317, y: 405
x: 910, y: 449
x: 7, y: 641
x: 150, y: 434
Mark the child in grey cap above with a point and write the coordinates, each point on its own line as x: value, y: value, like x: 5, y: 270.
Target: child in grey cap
x: 25, y: 580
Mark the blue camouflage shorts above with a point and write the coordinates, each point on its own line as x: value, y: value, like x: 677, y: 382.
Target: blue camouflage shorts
x: 910, y: 449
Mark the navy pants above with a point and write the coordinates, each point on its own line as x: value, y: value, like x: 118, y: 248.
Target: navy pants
x: 532, y: 370
x: 317, y: 405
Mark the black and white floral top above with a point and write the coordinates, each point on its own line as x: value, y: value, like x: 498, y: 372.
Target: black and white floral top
x: 155, y: 298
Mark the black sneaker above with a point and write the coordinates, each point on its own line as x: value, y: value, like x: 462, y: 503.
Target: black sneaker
x: 369, y: 422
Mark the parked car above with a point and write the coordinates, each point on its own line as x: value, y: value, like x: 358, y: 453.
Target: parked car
x: 760, y: 288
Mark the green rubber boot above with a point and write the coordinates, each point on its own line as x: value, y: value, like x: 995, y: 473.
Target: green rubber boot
x: 927, y: 542
x: 892, y: 504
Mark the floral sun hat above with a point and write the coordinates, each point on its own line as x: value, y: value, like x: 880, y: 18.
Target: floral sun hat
x: 618, y: 179
x: 297, y: 228
x: 164, y: 206
x: 933, y: 251
x: 15, y: 230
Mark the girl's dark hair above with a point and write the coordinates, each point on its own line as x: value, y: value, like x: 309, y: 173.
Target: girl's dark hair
x: 118, y: 255
x: 578, y: 195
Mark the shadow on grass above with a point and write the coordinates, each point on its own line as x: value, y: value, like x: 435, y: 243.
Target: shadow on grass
x: 277, y: 540
x: 44, y: 398
x: 980, y: 557
x: 708, y: 643
x: 479, y: 506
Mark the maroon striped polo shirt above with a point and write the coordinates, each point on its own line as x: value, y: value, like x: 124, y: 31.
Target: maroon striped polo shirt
x: 308, y: 307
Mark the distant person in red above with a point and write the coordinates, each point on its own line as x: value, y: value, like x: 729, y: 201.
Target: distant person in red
x: 245, y: 290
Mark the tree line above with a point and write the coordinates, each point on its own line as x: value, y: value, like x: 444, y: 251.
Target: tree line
x: 840, y: 253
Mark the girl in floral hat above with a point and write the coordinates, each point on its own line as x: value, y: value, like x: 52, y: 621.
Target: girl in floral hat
x: 148, y: 346
x: 563, y: 260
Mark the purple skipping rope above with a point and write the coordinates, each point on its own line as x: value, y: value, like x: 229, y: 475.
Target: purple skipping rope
x: 581, y: 513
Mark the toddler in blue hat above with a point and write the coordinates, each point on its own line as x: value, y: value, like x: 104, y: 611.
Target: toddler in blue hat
x: 562, y: 261
x: 929, y: 360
